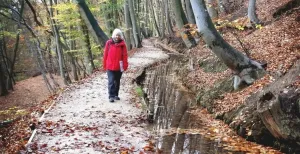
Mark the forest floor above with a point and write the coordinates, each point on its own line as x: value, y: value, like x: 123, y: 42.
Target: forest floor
x: 27, y: 93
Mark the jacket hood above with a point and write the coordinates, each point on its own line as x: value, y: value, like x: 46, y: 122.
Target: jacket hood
x: 117, y: 32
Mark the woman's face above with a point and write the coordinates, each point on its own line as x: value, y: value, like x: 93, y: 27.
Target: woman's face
x: 118, y: 37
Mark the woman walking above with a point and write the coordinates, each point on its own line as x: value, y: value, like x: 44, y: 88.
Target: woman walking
x: 115, y: 61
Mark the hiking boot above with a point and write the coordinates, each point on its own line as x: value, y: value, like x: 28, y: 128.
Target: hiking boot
x: 117, y: 98
x: 111, y: 100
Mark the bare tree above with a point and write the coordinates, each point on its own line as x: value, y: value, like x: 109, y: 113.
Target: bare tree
x: 245, y: 69
x: 252, y: 12
x: 136, y: 31
x: 181, y: 20
x: 92, y: 23
x: 189, y: 12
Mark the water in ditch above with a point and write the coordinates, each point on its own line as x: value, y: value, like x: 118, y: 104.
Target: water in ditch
x: 175, y: 125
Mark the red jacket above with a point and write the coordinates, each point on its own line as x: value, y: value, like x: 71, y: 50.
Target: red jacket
x: 113, y: 54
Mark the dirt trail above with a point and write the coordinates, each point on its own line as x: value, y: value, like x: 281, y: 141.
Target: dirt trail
x: 82, y: 120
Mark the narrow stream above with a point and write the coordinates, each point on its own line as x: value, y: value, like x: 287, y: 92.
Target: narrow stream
x: 176, y: 130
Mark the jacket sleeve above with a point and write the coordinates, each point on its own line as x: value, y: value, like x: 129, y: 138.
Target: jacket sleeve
x: 125, y: 58
x: 105, y: 54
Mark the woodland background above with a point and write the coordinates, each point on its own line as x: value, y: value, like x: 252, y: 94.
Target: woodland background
x: 62, y: 41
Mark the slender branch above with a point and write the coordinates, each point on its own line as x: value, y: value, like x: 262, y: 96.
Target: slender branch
x: 4, y: 15
x: 34, y: 13
x: 241, y: 43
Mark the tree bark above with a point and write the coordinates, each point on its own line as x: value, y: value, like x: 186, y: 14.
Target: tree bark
x: 56, y: 85
x: 7, y: 63
x: 58, y: 47
x: 3, y: 89
x: 91, y: 23
x: 3, y: 86
x: 243, y: 66
x: 252, y: 12
x: 109, y: 16
x: 73, y: 66
x: 213, y: 13
x: 180, y: 22
x: 135, y: 27
x: 16, y: 47
x: 162, y: 19
x: 154, y: 18
x: 189, y: 12
x: 168, y: 20
x: 39, y: 60
x: 89, y: 54
x: 73, y: 61
x: 129, y: 25
x: 146, y: 8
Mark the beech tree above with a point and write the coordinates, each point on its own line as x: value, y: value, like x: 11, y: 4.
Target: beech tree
x: 59, y: 50
x: 245, y: 69
x: 252, y: 12
x: 211, y: 9
x: 154, y: 17
x: 168, y: 18
x: 130, y: 43
x: 135, y: 27
x: 181, y: 20
x: 3, y: 85
x: 189, y: 12
x: 92, y: 23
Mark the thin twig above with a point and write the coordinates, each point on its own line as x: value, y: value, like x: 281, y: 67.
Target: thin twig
x: 246, y: 50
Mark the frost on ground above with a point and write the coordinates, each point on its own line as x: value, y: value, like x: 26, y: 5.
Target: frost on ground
x: 84, y: 121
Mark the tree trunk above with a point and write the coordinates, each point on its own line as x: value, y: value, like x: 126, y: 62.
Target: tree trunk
x: 61, y: 61
x: 16, y: 47
x: 146, y: 8
x: 189, y: 12
x: 213, y: 13
x: 136, y: 34
x: 127, y: 39
x: 91, y: 23
x: 162, y: 19
x: 168, y: 20
x: 7, y: 63
x: 109, y: 16
x: 252, y: 12
x: 73, y: 61
x: 129, y: 25
x: 154, y: 18
x: 89, y: 54
x: 180, y: 22
x: 39, y: 60
x: 56, y: 85
x: 115, y: 13
x: 3, y: 89
x: 38, y: 54
x: 83, y: 68
x: 243, y: 67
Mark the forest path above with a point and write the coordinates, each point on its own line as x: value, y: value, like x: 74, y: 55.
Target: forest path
x: 82, y: 120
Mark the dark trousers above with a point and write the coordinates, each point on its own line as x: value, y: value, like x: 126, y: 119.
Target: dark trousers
x: 114, y: 78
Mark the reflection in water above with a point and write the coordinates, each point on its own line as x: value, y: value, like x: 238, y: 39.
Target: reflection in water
x: 188, y: 142
x: 169, y: 103
x: 175, y: 126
